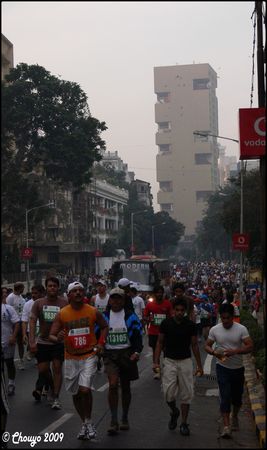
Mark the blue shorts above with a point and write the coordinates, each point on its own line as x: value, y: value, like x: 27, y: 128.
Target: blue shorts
x: 231, y: 387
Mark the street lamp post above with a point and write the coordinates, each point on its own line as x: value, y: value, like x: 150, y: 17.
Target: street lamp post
x: 132, y: 230
x: 27, y: 239
x: 153, y: 236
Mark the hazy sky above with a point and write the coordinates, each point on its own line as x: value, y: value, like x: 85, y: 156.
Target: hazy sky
x: 111, y: 48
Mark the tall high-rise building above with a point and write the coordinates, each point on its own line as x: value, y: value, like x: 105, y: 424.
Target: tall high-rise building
x: 187, y: 164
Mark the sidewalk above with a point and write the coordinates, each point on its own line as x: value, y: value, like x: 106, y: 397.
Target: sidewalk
x: 256, y: 393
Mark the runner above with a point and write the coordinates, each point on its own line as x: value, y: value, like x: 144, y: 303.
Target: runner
x: 16, y: 300
x: 45, y: 309
x: 100, y: 301
x: 177, y: 335
x: 232, y: 341
x: 154, y: 313
x: 122, y: 349
x: 10, y: 324
x: 75, y: 325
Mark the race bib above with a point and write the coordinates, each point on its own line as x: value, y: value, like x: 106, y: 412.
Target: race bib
x: 158, y: 318
x: 78, y: 338
x: 117, y: 336
x: 101, y: 309
x: 50, y: 312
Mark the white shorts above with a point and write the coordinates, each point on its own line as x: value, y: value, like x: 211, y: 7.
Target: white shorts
x: 79, y: 372
x: 177, y: 377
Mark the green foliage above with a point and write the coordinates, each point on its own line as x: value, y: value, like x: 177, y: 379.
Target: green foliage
x: 46, y: 128
x: 112, y: 176
x: 109, y: 248
x: 165, y: 236
x: 255, y: 331
x: 222, y: 218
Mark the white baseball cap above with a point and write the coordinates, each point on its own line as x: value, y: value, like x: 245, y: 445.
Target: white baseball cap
x: 102, y: 282
x: 123, y: 282
x: 116, y: 291
x: 74, y: 285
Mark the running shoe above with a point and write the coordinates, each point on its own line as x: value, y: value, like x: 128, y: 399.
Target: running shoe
x: 37, y: 395
x: 184, y: 429
x: 29, y: 356
x: 174, y: 418
x: 113, y: 428
x: 11, y: 389
x: 91, y: 430
x: 21, y: 364
x: 83, y: 432
x: 56, y: 404
x: 124, y: 425
x: 226, y: 433
x: 234, y: 423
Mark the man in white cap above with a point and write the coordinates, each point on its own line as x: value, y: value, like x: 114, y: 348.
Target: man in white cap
x: 100, y: 300
x: 122, y: 349
x: 125, y: 285
x: 75, y: 324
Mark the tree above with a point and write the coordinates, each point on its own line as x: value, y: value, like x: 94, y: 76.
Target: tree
x: 46, y: 128
x: 222, y: 218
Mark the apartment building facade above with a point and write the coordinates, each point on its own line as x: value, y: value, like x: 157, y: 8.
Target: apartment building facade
x: 186, y: 163
x: 7, y: 58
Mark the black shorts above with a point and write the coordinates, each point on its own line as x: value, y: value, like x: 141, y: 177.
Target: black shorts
x: 117, y: 362
x: 152, y: 340
x: 47, y: 353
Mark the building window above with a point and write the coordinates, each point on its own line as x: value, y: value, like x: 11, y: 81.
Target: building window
x: 164, y: 127
x: 163, y: 97
x: 203, y: 196
x: 52, y: 258
x: 165, y: 186
x: 166, y: 207
x: 201, y: 83
x: 203, y: 158
x: 164, y: 148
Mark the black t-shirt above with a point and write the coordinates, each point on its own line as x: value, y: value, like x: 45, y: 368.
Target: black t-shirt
x: 178, y: 337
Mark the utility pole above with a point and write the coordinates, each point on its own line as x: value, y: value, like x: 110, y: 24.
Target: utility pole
x: 262, y: 104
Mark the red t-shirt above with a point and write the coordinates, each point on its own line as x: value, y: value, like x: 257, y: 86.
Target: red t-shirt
x: 157, y: 312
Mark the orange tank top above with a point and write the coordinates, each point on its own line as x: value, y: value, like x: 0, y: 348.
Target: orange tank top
x: 79, y: 328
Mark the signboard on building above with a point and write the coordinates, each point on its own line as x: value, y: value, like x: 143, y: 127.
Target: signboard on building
x: 240, y: 241
x: 252, y: 132
x: 26, y: 253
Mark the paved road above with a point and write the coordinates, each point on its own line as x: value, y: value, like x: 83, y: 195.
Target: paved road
x: 148, y: 415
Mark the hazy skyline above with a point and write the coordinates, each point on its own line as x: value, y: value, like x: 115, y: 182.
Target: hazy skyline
x: 111, y: 49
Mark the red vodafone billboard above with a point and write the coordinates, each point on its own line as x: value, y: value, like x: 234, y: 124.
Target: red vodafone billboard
x: 252, y: 132
x: 240, y: 241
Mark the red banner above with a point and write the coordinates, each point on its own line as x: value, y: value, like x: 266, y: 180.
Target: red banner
x: 252, y: 132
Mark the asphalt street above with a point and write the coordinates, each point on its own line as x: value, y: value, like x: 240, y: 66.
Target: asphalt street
x: 148, y: 416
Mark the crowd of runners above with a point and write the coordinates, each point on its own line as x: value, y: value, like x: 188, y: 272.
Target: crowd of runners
x: 86, y: 326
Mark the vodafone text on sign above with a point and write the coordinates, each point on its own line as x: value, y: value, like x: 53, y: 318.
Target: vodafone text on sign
x: 252, y: 132
x: 240, y: 241
x: 26, y: 252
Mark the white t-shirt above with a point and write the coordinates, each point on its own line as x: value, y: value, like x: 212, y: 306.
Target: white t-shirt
x: 26, y: 313
x: 101, y: 303
x: 117, y: 336
x: 139, y: 306
x: 229, y: 338
x: 17, y: 301
x: 8, y: 319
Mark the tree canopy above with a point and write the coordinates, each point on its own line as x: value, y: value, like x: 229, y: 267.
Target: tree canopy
x: 222, y: 218
x: 47, y: 129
